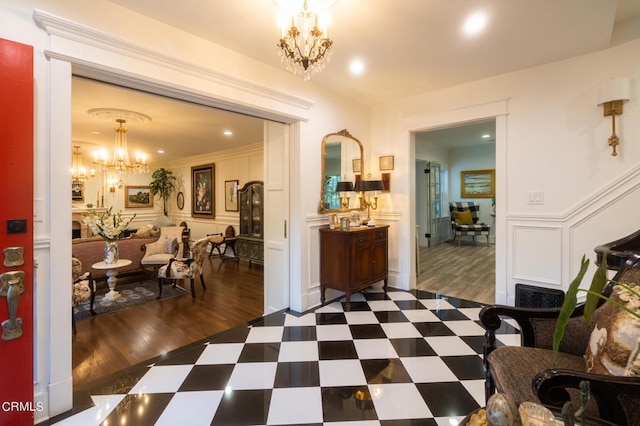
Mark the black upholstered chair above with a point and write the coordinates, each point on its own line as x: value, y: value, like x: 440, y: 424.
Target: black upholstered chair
x: 530, y: 373
x: 465, y: 221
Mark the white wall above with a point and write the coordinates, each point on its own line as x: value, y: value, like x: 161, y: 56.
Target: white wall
x: 550, y: 137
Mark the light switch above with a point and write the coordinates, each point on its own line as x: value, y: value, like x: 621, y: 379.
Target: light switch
x: 536, y: 197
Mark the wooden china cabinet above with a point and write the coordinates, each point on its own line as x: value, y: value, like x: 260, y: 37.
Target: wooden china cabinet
x: 353, y: 259
x: 250, y: 241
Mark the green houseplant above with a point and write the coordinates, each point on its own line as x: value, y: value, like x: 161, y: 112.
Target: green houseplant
x: 162, y: 183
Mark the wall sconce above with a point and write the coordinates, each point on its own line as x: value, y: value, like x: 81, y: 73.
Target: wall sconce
x: 344, y: 187
x: 611, y: 95
x: 363, y: 186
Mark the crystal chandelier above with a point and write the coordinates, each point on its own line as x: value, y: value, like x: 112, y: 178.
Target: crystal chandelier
x: 78, y: 172
x: 120, y: 162
x: 304, y: 47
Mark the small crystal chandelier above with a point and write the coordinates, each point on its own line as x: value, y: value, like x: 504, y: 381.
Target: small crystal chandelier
x: 78, y: 172
x: 120, y: 162
x: 304, y: 48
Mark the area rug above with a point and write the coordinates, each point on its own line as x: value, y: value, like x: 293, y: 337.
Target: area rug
x: 132, y: 294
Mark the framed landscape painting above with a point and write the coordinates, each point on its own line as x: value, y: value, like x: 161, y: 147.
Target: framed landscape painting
x: 203, y: 192
x: 137, y: 196
x: 478, y: 184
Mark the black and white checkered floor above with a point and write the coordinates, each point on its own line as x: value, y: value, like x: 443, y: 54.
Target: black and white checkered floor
x: 404, y: 358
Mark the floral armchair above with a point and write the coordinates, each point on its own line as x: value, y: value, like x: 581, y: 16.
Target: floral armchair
x: 168, y: 246
x: 84, y: 288
x: 185, y: 268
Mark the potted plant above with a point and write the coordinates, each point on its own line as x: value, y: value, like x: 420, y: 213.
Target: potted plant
x: 594, y: 294
x: 163, y: 183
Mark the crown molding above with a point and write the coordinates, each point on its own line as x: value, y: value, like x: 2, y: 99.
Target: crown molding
x: 73, y: 31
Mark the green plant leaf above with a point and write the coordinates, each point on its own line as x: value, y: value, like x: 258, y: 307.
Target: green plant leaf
x: 595, y: 290
x: 568, y: 306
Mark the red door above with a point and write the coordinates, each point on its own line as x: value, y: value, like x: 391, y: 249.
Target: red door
x: 16, y: 234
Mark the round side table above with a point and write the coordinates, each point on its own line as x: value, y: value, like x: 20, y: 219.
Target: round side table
x: 112, y: 274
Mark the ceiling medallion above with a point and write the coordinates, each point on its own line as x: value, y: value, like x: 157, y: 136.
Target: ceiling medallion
x: 120, y: 162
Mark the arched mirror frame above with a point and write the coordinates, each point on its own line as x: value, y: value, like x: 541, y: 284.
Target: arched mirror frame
x: 322, y: 208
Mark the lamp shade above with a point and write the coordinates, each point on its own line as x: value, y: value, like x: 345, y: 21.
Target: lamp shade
x: 344, y: 186
x: 369, y: 185
x: 615, y: 89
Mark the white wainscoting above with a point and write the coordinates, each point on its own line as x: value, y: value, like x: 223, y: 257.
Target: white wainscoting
x: 537, y: 254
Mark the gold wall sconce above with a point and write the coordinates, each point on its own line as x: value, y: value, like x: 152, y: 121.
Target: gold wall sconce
x: 611, y: 95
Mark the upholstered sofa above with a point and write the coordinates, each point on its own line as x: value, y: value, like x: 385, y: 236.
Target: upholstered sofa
x: 91, y: 250
x: 530, y: 373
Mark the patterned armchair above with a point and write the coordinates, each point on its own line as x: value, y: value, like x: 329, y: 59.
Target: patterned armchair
x: 84, y: 288
x: 465, y: 221
x: 169, y: 245
x: 185, y: 268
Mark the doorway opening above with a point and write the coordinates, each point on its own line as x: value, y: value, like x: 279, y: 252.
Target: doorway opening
x: 441, y: 155
x: 188, y: 133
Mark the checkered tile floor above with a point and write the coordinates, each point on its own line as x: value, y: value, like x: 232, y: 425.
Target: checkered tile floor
x: 394, y: 359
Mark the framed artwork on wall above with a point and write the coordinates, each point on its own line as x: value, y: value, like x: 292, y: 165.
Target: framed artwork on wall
x: 77, y: 192
x: 231, y: 195
x: 478, y: 184
x: 386, y: 162
x: 386, y: 182
x: 357, y: 165
x: 203, y: 192
x: 137, y: 197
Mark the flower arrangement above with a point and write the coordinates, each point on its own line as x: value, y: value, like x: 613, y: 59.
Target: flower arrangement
x: 108, y: 226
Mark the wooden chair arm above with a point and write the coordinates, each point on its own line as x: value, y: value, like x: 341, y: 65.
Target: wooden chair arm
x: 490, y: 317
x: 550, y: 387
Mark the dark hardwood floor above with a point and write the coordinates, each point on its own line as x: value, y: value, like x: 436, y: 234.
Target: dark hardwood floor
x: 467, y: 271
x: 110, y: 342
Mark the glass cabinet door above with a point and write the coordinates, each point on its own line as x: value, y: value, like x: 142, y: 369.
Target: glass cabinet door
x: 251, y: 209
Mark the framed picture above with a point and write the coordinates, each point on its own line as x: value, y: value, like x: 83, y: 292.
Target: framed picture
x: 357, y: 165
x: 137, y: 196
x: 203, y: 192
x: 386, y: 182
x: 478, y: 184
x: 386, y: 162
x: 77, y: 192
x: 231, y: 195
x: 180, y: 200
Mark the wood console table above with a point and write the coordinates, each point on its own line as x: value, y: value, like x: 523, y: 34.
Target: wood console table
x: 353, y: 259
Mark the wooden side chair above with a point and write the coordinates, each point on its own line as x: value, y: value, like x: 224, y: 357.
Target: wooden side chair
x: 185, y: 268
x: 228, y: 240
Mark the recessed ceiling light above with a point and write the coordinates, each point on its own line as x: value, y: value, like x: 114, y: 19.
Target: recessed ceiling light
x: 475, y: 23
x: 161, y: 151
x: 486, y: 136
x: 228, y: 132
x: 356, y: 67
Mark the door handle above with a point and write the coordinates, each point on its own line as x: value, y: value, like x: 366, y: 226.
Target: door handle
x: 11, y: 287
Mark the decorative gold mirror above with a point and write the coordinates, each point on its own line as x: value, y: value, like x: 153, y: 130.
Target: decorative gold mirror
x: 342, y: 165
